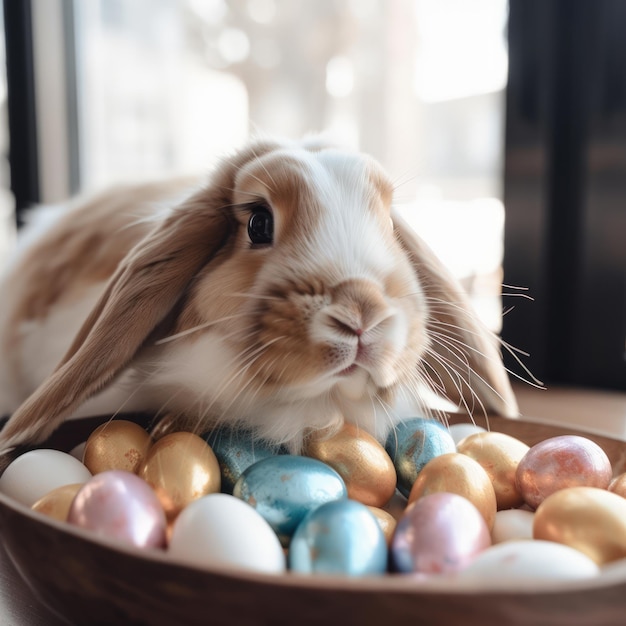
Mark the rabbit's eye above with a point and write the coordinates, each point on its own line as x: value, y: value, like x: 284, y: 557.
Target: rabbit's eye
x: 261, y: 226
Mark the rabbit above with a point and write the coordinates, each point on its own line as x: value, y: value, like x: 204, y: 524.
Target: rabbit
x: 284, y: 294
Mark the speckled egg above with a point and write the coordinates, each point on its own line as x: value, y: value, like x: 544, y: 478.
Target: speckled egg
x: 283, y: 489
x: 35, y: 473
x: 589, y: 519
x: 341, y: 537
x: 460, y: 474
x: 117, y: 444
x: 499, y: 454
x: 364, y: 465
x: 236, y: 450
x: 438, y: 534
x: 56, y: 503
x: 220, y: 531
x: 414, y: 442
x: 560, y: 462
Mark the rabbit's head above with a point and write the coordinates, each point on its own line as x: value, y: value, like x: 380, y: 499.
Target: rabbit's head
x: 288, y: 295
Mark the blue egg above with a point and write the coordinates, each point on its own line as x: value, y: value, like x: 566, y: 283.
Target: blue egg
x: 283, y: 489
x: 412, y: 444
x: 236, y: 450
x: 340, y: 537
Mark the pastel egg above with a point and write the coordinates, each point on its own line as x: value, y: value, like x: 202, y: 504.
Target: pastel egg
x: 236, y: 450
x: 341, y: 537
x: 283, y: 489
x: 499, y: 454
x: 56, y: 504
x: 512, y: 524
x: 438, y: 534
x: 510, y: 564
x: 560, y: 462
x: 364, y: 465
x: 180, y: 467
x: 35, y: 473
x: 219, y: 531
x: 412, y: 444
x: 589, y: 519
x: 386, y: 521
x: 458, y: 432
x: 116, y: 444
x: 618, y: 485
x: 121, y: 506
x: 460, y: 474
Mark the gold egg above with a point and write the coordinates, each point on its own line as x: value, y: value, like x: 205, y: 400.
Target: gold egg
x: 116, y: 445
x: 618, y: 485
x: 499, y: 455
x: 360, y: 460
x: 56, y: 503
x: 457, y: 473
x: 180, y: 467
x: 386, y: 521
x: 589, y: 519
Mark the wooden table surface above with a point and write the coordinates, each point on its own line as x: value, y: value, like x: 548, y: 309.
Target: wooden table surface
x: 600, y: 412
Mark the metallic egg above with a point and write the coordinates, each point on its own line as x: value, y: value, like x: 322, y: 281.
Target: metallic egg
x: 440, y: 533
x: 559, y: 462
x: 499, y: 454
x: 56, y: 503
x: 589, y: 519
x: 116, y: 444
x: 457, y: 473
x: 236, y: 450
x: 283, y: 489
x: 618, y: 485
x: 386, y: 521
x: 180, y: 467
x: 119, y: 505
x: 414, y: 442
x: 364, y: 465
x: 341, y: 537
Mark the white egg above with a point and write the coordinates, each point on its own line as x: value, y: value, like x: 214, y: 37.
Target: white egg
x: 221, y: 530
x: 512, y: 524
x: 517, y: 563
x: 460, y: 431
x: 34, y: 474
x: 613, y: 573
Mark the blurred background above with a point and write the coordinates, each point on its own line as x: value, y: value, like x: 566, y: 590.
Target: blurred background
x: 502, y: 124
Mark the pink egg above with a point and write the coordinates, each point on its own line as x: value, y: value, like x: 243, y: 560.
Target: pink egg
x: 440, y: 533
x: 119, y: 505
x: 560, y: 462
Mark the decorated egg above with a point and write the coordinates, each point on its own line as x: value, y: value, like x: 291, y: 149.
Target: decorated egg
x: 364, y: 465
x: 117, y: 444
x: 618, y: 485
x: 119, y: 505
x: 35, y: 473
x: 510, y: 564
x: 56, y: 504
x: 220, y: 530
x: 412, y: 444
x: 499, y: 454
x: 386, y: 521
x: 283, y: 489
x: 236, y: 450
x: 439, y: 533
x: 560, y: 462
x: 340, y: 537
x: 181, y: 468
x: 512, y: 524
x: 458, y: 432
x: 460, y: 474
x: 589, y: 519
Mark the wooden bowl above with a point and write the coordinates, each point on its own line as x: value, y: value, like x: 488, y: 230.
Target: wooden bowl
x: 88, y: 580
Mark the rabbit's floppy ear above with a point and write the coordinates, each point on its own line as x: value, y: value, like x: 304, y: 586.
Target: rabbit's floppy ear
x: 463, y: 360
x: 143, y: 290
